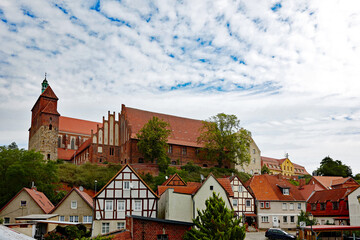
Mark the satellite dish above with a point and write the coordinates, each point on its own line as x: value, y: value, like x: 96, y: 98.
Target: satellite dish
x: 166, y: 177
x: 81, y: 188
x: 202, y: 177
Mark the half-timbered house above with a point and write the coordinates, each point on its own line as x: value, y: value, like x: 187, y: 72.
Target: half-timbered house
x: 125, y: 194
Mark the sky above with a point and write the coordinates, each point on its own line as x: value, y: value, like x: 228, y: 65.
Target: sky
x: 289, y: 70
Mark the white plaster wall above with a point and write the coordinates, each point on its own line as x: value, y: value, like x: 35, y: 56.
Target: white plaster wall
x: 354, y: 207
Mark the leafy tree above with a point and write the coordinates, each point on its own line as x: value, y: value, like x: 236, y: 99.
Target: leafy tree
x: 216, y: 222
x: 19, y: 168
x: 329, y: 167
x: 265, y: 169
x: 224, y: 140
x: 153, y: 142
x: 304, y: 217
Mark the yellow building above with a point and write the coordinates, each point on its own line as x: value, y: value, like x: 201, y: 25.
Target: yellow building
x: 283, y: 166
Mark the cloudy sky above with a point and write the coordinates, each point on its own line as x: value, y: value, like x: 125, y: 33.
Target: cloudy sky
x: 288, y: 69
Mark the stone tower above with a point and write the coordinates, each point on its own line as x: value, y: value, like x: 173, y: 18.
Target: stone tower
x: 44, y: 130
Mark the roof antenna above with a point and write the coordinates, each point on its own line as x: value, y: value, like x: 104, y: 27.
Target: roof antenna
x: 202, y: 177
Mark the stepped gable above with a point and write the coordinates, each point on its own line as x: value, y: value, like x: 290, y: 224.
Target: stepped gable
x: 268, y: 188
x: 184, y: 131
x: 74, y: 125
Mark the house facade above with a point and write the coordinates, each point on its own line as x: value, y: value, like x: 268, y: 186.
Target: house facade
x: 26, y: 202
x: 180, y: 201
x: 75, y: 207
x: 283, y: 166
x: 278, y: 202
x: 354, y: 207
x: 254, y: 166
x: 124, y: 195
x: 330, y: 206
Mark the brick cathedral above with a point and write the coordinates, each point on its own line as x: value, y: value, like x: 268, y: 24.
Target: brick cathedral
x: 113, y: 140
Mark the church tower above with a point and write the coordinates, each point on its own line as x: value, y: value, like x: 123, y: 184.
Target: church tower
x: 44, y: 129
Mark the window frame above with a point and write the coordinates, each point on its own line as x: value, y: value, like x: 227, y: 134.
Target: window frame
x: 61, y: 218
x: 23, y: 203
x: 109, y: 205
x: 235, y: 202
x: 118, y: 225
x: 73, y: 204
x: 121, y: 203
x: 264, y: 219
x: 137, y: 205
x: 284, y: 206
x: 285, y: 219
x: 105, y: 227
x: 87, y: 219
x: 74, y: 218
x: 291, y: 206
x: 126, y: 185
x: 246, y: 203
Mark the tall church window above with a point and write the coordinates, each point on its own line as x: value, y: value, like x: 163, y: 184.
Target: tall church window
x: 72, y: 143
x: 59, y: 141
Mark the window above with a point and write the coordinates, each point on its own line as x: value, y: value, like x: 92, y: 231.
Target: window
x: 267, y: 204
x: 162, y: 237
x: 313, y: 206
x: 50, y: 127
x: 264, y: 219
x: 62, y: 218
x: 285, y: 219
x: 120, y: 225
x: 262, y: 205
x: 211, y: 188
x: 48, y: 156
x: 23, y: 203
x: 322, y: 206
x: 254, y: 151
x: 284, y: 206
x: 105, y: 228
x: 74, y: 218
x: 292, y: 219
x: 248, y: 203
x: 235, y: 202
x: 184, y: 151
x: 137, y: 205
x: 73, y: 204
x: 291, y: 206
x: 286, y: 191
x: 108, y: 205
x: 240, y: 188
x: 173, y: 162
x: 6, y: 220
x: 111, y: 151
x: 121, y: 205
x: 170, y: 149
x: 141, y: 160
x: 87, y: 219
x: 335, y: 205
x: 59, y: 142
x: 72, y: 144
x: 299, y: 206
x: 126, y: 185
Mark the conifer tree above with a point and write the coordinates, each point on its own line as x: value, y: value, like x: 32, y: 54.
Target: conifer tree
x: 216, y: 222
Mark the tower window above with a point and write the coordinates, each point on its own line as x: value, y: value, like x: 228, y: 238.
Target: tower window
x: 59, y: 142
x: 48, y: 157
x: 50, y: 127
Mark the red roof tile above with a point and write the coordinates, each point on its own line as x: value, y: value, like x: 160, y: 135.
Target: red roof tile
x: 267, y: 187
x: 73, y: 125
x: 184, y: 131
x: 225, y: 183
x: 190, y: 188
x: 327, y: 181
x: 48, y: 92
x: 65, y: 154
x: 84, y: 145
x: 41, y: 200
x: 330, y: 195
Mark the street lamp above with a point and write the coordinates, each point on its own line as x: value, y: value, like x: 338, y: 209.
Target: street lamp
x: 95, y: 185
x: 311, y: 218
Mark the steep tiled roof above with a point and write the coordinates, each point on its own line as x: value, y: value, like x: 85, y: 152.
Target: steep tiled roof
x: 50, y: 108
x: 225, y: 183
x: 306, y: 190
x: 65, y: 154
x: 190, y: 188
x: 73, y: 125
x: 84, y: 145
x: 184, y: 131
x: 48, y: 92
x: 174, y: 180
x: 40, y: 199
x: 327, y: 181
x: 330, y: 195
x: 267, y: 188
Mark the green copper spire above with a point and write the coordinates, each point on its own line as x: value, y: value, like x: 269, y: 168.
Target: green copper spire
x: 44, y: 84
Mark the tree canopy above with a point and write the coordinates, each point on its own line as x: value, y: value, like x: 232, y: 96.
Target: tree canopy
x: 19, y: 168
x: 224, y: 140
x: 265, y: 169
x: 216, y: 222
x: 153, y: 142
x: 329, y: 167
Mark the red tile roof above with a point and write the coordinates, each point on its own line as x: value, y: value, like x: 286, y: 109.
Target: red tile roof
x: 184, y: 131
x: 84, y: 145
x: 48, y: 92
x: 225, y: 183
x: 174, y: 180
x: 274, y: 164
x: 323, y: 196
x: 65, y: 154
x: 73, y: 125
x: 268, y: 188
x: 50, y: 108
x: 41, y: 200
x: 327, y: 181
x: 190, y: 188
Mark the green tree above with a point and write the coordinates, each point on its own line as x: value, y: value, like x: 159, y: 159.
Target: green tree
x: 304, y: 217
x: 329, y: 167
x: 216, y: 222
x: 153, y: 142
x: 224, y: 140
x: 265, y: 169
x: 19, y: 168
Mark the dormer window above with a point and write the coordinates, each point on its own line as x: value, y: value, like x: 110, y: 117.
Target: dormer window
x: 286, y: 191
